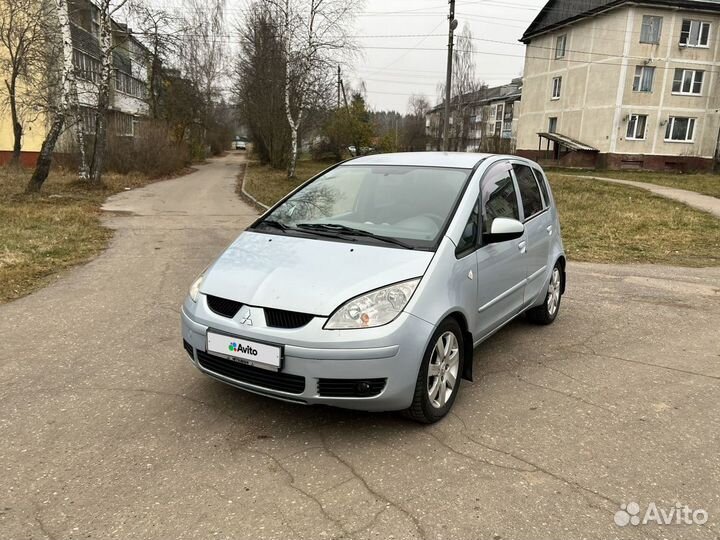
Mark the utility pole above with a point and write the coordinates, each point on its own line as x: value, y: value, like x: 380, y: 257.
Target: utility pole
x: 339, y: 81
x: 452, y: 25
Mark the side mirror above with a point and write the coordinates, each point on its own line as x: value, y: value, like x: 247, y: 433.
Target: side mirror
x: 502, y: 230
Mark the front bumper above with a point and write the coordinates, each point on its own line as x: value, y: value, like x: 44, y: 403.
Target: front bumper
x: 323, y: 358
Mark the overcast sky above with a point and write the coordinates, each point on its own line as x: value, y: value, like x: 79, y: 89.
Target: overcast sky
x: 403, y: 44
x: 392, y: 74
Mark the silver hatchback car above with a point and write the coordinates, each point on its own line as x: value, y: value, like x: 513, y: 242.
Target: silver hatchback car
x: 369, y: 286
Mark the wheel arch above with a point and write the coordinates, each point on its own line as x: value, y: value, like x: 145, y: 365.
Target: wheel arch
x: 467, y: 343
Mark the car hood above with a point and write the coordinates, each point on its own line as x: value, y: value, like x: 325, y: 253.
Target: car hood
x: 307, y: 275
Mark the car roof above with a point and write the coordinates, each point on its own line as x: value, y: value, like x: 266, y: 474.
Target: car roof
x: 461, y: 160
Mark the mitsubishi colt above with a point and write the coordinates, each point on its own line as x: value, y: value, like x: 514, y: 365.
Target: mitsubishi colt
x: 369, y: 286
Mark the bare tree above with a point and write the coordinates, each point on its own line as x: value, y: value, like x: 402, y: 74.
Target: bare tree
x: 58, y: 102
x: 314, y: 33
x: 202, y: 59
x: 22, y: 48
x: 414, y: 136
x: 158, y: 32
x: 464, y: 91
x: 107, y: 9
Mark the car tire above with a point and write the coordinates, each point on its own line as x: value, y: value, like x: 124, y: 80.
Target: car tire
x: 438, y: 380
x: 549, y: 309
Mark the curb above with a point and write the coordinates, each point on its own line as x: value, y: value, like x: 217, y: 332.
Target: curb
x: 244, y: 193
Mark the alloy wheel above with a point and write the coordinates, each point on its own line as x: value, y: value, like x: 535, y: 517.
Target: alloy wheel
x: 443, y: 370
x: 553, y: 299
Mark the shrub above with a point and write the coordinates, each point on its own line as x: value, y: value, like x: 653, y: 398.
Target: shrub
x: 151, y: 152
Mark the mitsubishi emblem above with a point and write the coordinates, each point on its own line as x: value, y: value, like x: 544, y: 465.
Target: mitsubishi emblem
x: 245, y: 315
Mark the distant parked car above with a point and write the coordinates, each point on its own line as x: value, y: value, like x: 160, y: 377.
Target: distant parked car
x: 369, y: 286
x: 240, y: 145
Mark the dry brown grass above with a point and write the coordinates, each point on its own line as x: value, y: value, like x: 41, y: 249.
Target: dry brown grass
x: 705, y: 183
x: 269, y: 185
x: 601, y: 222
x: 43, y: 234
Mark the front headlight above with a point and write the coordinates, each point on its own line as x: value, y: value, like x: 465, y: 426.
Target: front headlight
x: 374, y: 308
x: 195, y: 287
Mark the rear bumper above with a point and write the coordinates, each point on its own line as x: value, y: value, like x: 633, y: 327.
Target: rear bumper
x: 328, y: 361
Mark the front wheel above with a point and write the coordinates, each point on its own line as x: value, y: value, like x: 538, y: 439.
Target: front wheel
x: 438, y: 381
x: 546, y: 313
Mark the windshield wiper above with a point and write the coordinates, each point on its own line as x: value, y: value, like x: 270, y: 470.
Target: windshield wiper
x: 274, y: 224
x: 351, y: 231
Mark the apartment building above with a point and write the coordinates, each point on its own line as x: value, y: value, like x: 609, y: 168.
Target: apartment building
x: 128, y: 90
x: 620, y: 84
x: 484, y: 120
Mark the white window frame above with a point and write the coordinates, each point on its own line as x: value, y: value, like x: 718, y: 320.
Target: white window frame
x: 655, y: 32
x: 687, y: 35
x: 633, y: 127
x: 689, y: 129
x: 556, y: 88
x: 693, y: 79
x: 640, y: 77
x: 552, y: 128
x: 560, y: 46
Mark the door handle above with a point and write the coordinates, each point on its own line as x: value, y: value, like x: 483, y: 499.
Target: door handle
x: 549, y: 229
x: 522, y: 246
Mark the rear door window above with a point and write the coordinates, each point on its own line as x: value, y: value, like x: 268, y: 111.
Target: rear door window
x: 529, y: 191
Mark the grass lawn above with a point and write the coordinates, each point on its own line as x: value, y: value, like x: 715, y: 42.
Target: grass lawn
x: 45, y: 233
x: 269, y: 185
x: 604, y: 222
x: 601, y: 222
x: 705, y: 183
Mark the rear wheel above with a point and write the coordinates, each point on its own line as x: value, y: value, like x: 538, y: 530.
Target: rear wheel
x: 438, y: 381
x: 546, y: 313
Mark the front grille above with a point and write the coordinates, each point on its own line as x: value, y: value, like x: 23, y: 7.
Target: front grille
x: 279, y: 318
x: 188, y: 348
x: 223, y: 306
x: 350, y: 387
x: 293, y: 384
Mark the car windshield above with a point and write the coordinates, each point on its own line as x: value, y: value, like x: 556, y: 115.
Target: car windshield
x: 400, y: 206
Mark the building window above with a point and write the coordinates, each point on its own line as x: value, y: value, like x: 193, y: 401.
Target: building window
x: 87, y: 115
x: 688, y: 81
x: 128, y: 84
x: 124, y: 125
x: 680, y: 128
x: 643, y: 80
x: 556, y: 84
x: 560, y: 42
x: 694, y: 33
x: 651, y: 29
x: 636, y: 127
x: 552, y: 124
x: 86, y: 67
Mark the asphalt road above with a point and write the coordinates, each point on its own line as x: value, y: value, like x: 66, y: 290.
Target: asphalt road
x: 107, y: 431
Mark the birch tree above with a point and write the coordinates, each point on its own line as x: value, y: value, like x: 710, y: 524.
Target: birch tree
x: 107, y: 9
x: 59, y: 102
x: 314, y: 34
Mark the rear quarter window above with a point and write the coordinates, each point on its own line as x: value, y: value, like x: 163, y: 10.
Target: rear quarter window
x: 543, y: 186
x: 529, y: 191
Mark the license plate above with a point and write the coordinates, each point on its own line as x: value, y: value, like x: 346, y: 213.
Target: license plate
x: 245, y: 351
